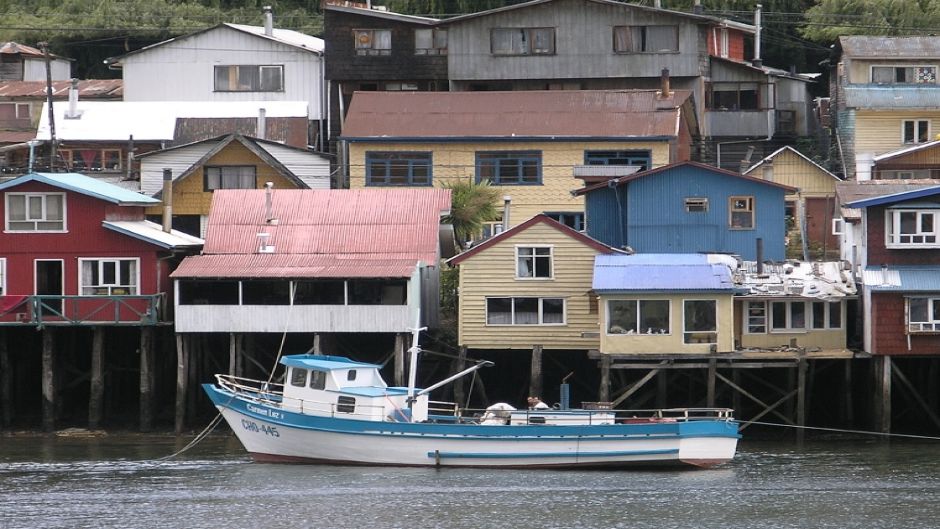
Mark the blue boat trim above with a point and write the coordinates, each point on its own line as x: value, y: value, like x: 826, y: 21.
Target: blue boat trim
x: 485, y: 455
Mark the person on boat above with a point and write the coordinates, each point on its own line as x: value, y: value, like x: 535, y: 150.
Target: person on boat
x: 536, y: 403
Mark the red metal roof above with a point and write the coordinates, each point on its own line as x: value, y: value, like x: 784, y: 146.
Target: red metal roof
x: 87, y: 89
x: 523, y: 114
x: 320, y: 233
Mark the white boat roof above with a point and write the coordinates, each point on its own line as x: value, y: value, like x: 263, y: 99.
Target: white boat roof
x: 324, y: 362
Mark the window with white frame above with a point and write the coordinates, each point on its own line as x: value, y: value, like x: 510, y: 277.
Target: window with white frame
x: 741, y: 213
x: 904, y: 74
x: 638, y: 316
x: 35, y: 212
x: 923, y: 314
x: 827, y: 314
x: 700, y: 318
x: 249, y: 78
x: 906, y: 228
x: 646, y: 39
x: 108, y: 277
x: 755, y: 317
x: 522, y: 41
x: 431, y: 41
x: 373, y: 41
x: 787, y: 316
x: 525, y: 311
x: 533, y: 262
x: 230, y: 177
x: 915, y: 131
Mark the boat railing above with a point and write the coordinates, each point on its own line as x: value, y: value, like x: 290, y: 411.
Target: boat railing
x: 250, y: 388
x: 589, y: 415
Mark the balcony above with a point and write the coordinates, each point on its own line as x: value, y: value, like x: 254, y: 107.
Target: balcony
x: 41, y: 310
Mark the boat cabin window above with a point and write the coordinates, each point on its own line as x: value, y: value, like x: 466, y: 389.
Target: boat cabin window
x: 351, y: 374
x: 298, y: 377
x: 318, y: 380
x: 346, y: 404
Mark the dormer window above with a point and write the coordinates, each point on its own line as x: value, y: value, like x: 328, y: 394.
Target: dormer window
x: 35, y: 212
x: 911, y: 228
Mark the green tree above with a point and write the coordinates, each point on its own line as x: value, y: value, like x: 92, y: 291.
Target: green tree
x: 472, y: 204
x: 829, y: 19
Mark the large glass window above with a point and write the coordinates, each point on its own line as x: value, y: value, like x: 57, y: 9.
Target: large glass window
x: 377, y: 292
x: 84, y: 160
x: 108, y: 277
x: 638, y: 316
x: 398, y: 168
x: 35, y: 211
x: 509, y: 167
x: 827, y: 315
x: 646, y: 39
x: 522, y: 41
x: 572, y: 219
x: 533, y: 262
x: 249, y: 78
x: 637, y: 158
x: 320, y: 292
x: 266, y: 292
x: 525, y: 311
x: 914, y: 228
x: 923, y: 314
x: 298, y: 377
x: 701, y: 321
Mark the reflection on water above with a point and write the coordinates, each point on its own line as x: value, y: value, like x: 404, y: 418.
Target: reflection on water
x: 120, y: 481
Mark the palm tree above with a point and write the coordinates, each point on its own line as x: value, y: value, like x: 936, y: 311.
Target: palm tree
x: 472, y: 205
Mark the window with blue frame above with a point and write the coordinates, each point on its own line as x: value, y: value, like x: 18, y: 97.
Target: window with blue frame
x: 398, y: 168
x: 510, y: 167
x: 573, y: 220
x: 641, y: 158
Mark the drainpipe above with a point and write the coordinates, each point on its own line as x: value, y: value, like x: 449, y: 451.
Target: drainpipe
x: 507, y: 200
x: 167, y: 200
x: 268, y: 21
x: 262, y: 126
x: 72, y: 112
x: 757, y: 63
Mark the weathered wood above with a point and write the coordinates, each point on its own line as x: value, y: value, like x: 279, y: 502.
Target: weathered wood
x: 146, y: 378
x: 6, y: 380
x: 400, y: 347
x: 603, y: 393
x: 232, y: 352
x: 96, y: 390
x: 460, y: 393
x: 182, y: 377
x: 535, y: 373
x: 916, y: 395
x: 801, y: 399
x: 317, y: 346
x: 848, y: 409
x: 710, y: 389
x: 662, y: 387
x: 789, y: 364
x: 743, y: 392
x: 636, y: 387
x: 768, y: 409
x: 882, y: 372
x: 736, y: 385
x: 48, y: 380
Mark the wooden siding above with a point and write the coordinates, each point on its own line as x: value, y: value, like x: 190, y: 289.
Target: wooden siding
x: 887, y: 329
x: 858, y: 71
x: 176, y: 160
x: 311, y: 168
x: 878, y: 132
x: 491, y: 273
x: 825, y: 339
x: 789, y: 168
x: 454, y: 161
x: 299, y: 318
x: 583, y: 44
x: 877, y: 252
x: 183, y: 70
x: 672, y: 343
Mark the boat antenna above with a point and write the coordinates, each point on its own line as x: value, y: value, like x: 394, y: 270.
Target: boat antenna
x: 413, y: 352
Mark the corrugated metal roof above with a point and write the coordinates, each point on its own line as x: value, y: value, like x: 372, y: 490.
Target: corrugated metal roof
x: 848, y: 192
x: 320, y: 233
x: 520, y: 114
x: 85, y: 185
x: 89, y: 88
x: 875, y: 47
x: 902, y: 278
x: 659, y: 273
x: 818, y: 280
x: 906, y: 150
x: 894, y: 97
x: 361, y: 9
x: 893, y: 198
x: 153, y: 233
x: 286, y: 36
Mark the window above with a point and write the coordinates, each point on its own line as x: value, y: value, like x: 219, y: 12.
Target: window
x: 827, y: 315
x: 378, y: 292
x: 202, y: 292
x: 108, y: 277
x: 741, y: 213
x: 573, y: 220
x: 533, y: 262
x: 430, y: 42
x: 696, y: 205
x: 351, y: 374
x: 701, y: 321
x: 398, y: 168
x: 401, y: 87
x: 838, y: 226
x: 646, y: 39
x: 35, y: 212
x: 911, y: 228
x: 13, y: 111
x: 92, y: 159
x: 373, y: 41
x: 317, y: 379
x: 230, y: 177
x: 915, y: 131
x: 522, y: 41
x: 249, y: 78
x: 525, y: 311
x: 266, y: 292
x: 721, y: 41
x: 345, y: 404
x: 736, y: 96
x: 298, y: 377
x: 320, y: 292
x: 787, y: 316
x: 509, y: 167
x: 640, y: 158
x: 923, y: 314
x: 903, y: 74
x: 756, y: 317
x: 638, y: 316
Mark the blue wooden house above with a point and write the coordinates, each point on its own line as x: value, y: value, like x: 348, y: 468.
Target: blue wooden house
x: 689, y: 207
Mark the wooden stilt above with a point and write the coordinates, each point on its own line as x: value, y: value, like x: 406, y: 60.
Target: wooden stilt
x: 460, y: 393
x: 801, y: 399
x: 603, y: 393
x: 146, y: 378
x: 182, y: 377
x: 6, y: 381
x: 636, y: 387
x: 96, y: 393
x: 916, y: 396
x: 317, y: 346
x: 710, y: 390
x: 535, y: 374
x: 48, y: 380
x: 400, y: 359
x: 736, y: 395
x: 848, y: 411
x: 933, y: 397
x: 882, y: 369
x: 232, y: 353
x: 240, y: 354
x: 662, y: 386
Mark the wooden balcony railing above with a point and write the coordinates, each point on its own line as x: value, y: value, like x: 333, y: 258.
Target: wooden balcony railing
x: 39, y: 310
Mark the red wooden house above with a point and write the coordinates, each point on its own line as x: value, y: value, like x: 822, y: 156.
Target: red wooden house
x: 77, y: 250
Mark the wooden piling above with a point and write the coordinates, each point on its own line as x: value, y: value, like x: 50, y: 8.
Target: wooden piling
x: 710, y: 389
x: 48, y: 380
x: 400, y: 359
x: 535, y: 376
x: 801, y: 399
x: 6, y: 380
x: 96, y: 389
x: 882, y: 373
x: 848, y: 410
x: 146, y: 378
x: 232, y: 353
x: 603, y: 393
x: 182, y: 376
x: 460, y: 393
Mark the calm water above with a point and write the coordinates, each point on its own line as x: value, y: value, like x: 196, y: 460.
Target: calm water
x: 117, y: 482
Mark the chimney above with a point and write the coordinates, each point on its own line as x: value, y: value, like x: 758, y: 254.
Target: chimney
x: 507, y: 200
x: 72, y: 112
x: 167, y: 200
x: 664, y: 81
x: 658, y: 4
x: 262, y: 124
x: 269, y: 204
x: 697, y: 7
x: 268, y: 21
x: 757, y: 63
x: 760, y: 256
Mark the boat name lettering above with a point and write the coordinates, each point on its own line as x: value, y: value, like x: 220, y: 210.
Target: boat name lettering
x: 252, y: 426
x: 264, y: 411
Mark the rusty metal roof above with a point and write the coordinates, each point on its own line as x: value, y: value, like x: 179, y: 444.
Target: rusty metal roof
x: 880, y: 47
x: 16, y: 48
x: 87, y: 89
x: 514, y: 115
x: 320, y: 233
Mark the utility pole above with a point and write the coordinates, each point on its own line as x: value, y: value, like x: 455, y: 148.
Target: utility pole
x: 54, y: 151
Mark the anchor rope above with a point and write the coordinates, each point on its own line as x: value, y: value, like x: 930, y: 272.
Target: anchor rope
x: 196, y: 440
x: 845, y: 430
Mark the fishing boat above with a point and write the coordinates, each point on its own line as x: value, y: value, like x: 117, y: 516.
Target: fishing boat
x: 335, y: 410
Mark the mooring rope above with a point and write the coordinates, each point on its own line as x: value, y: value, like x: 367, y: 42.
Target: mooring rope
x: 844, y: 430
x: 199, y: 437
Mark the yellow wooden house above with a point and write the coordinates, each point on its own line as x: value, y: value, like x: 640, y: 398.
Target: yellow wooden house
x: 227, y: 162
x: 529, y: 143
x: 528, y: 287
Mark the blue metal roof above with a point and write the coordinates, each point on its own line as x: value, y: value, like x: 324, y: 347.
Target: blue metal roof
x: 85, y: 185
x: 324, y: 362
x: 902, y: 278
x: 659, y: 273
x: 894, y: 198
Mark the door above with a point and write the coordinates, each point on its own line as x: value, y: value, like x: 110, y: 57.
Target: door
x: 49, y: 282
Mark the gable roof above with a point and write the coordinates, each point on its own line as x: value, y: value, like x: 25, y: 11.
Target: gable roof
x: 519, y: 228
x: 643, y: 174
x: 338, y: 233
x: 287, y: 37
x: 906, y: 150
x: 894, y: 198
x: 517, y: 115
x: 15, y: 48
x: 660, y: 273
x: 85, y: 185
x: 153, y: 233
x: 787, y: 148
